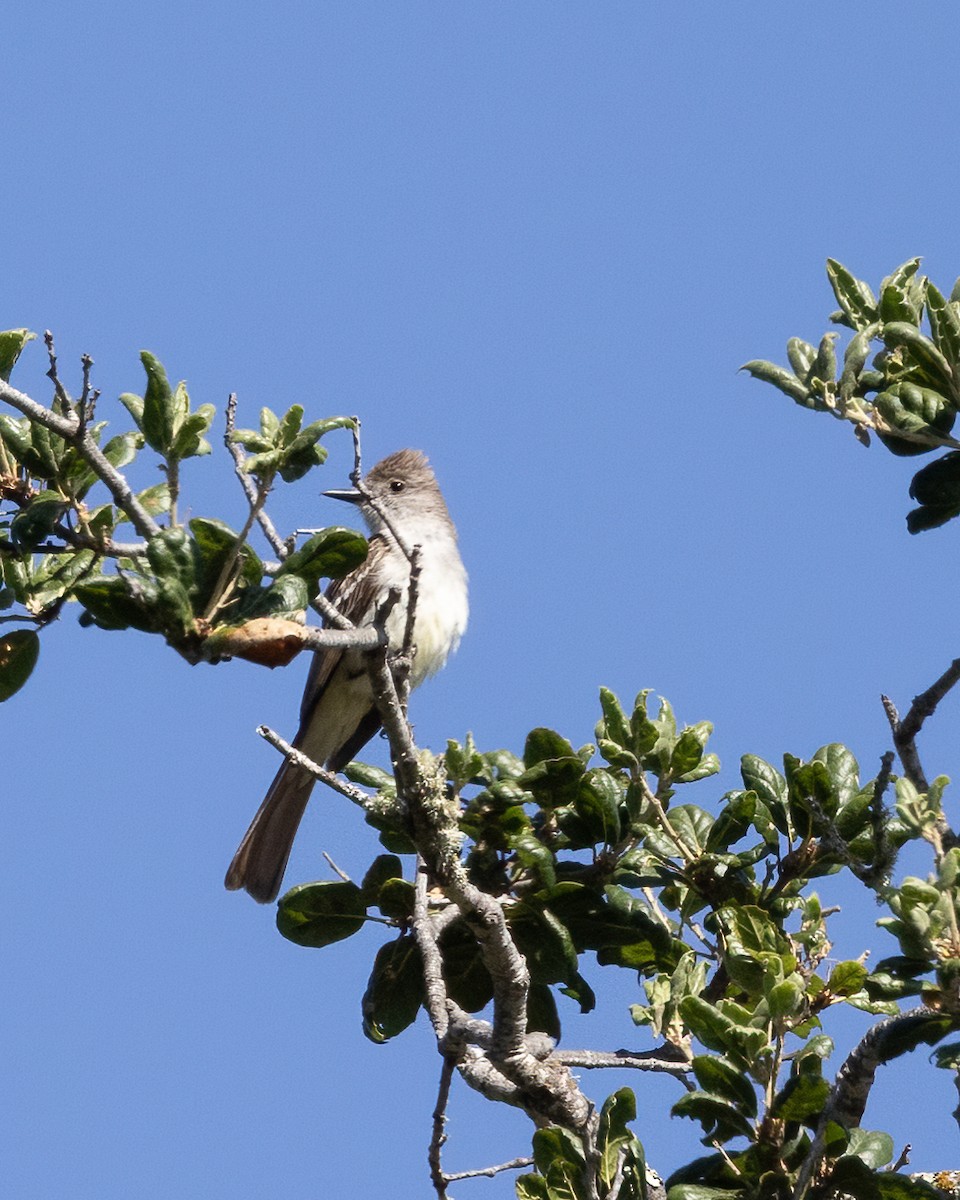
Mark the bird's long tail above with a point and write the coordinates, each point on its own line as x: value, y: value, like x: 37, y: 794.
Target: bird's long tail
x: 261, y: 857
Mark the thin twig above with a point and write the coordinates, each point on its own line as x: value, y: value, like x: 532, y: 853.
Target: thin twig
x: 515, y: 1164
x: 905, y: 731
x: 59, y: 390
x: 357, y: 795
x: 903, y: 1159
x: 438, y: 1136
x: 333, y: 867
x: 663, y: 820
x: 232, y: 564
x: 330, y: 613
x: 280, y: 547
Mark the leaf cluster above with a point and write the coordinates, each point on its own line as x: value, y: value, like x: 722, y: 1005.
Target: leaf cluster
x: 712, y: 906
x: 68, y: 511
x: 899, y: 376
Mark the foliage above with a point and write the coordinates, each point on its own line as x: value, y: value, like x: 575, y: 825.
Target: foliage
x: 717, y: 913
x: 584, y: 857
x: 191, y: 582
x: 908, y: 392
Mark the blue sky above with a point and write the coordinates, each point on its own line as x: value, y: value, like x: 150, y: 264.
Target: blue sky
x: 536, y: 240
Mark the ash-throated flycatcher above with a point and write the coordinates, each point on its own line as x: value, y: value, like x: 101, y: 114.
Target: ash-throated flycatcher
x: 338, y: 714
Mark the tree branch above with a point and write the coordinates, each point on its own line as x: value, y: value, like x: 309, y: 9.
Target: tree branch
x: 848, y: 1097
x: 438, y: 1136
x: 74, y: 431
x: 905, y: 734
x: 357, y: 795
x: 646, y: 1060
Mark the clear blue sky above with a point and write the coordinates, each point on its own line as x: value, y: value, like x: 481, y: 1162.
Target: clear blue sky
x: 536, y: 240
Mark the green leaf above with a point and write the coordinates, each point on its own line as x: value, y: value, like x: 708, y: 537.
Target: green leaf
x: 615, y: 719
x: 874, y: 1149
x: 891, y: 1186
x: 543, y: 745
x: 784, y: 380
x: 785, y: 999
x: 330, y: 554
x: 934, y: 368
x: 285, y: 597
x: 158, y: 405
x: 542, y: 1016
x: 553, y: 769
x: 15, y: 432
x: 843, y: 769
x: 735, y: 818
x: 468, y: 981
x: 904, y: 1034
x: 395, y: 990
x: 319, y: 914
x: 383, y: 868
x: 558, y: 1156
x: 618, y: 1147
x: 134, y: 406
x: 855, y: 297
x: 115, y: 603
x: 944, y: 325
x: 189, y: 441
x: 545, y: 943
x: 214, y: 545
x: 771, y: 788
x: 802, y: 356
x: 12, y: 342
x: 802, y: 1098
x: 532, y: 1187
x: 396, y: 899
x: 846, y: 978
x: 720, y: 1119
x: 688, y: 751
x: 34, y: 523
x: 288, y: 427
x: 535, y: 856
x: 19, y: 651
x: 721, y: 1078
x: 901, y: 296
x: 598, y: 803
x: 938, y: 483
x: 713, y: 1028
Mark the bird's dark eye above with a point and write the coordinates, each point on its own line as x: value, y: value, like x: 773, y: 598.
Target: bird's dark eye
x: 396, y: 485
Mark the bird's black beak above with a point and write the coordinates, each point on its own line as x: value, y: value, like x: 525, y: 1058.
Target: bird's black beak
x: 351, y: 495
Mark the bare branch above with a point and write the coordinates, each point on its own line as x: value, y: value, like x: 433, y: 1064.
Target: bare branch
x: 351, y: 791
x: 435, y: 989
x: 59, y: 390
x: 905, y: 731
x: 646, y: 1060
x: 438, y: 1137
x: 515, y: 1164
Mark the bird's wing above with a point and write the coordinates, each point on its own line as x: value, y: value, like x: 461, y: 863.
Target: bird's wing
x: 355, y: 596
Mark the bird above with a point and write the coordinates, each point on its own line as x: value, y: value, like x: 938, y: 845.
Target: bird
x: 338, y: 713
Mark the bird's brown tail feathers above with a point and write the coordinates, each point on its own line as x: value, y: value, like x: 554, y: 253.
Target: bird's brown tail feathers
x: 261, y: 858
